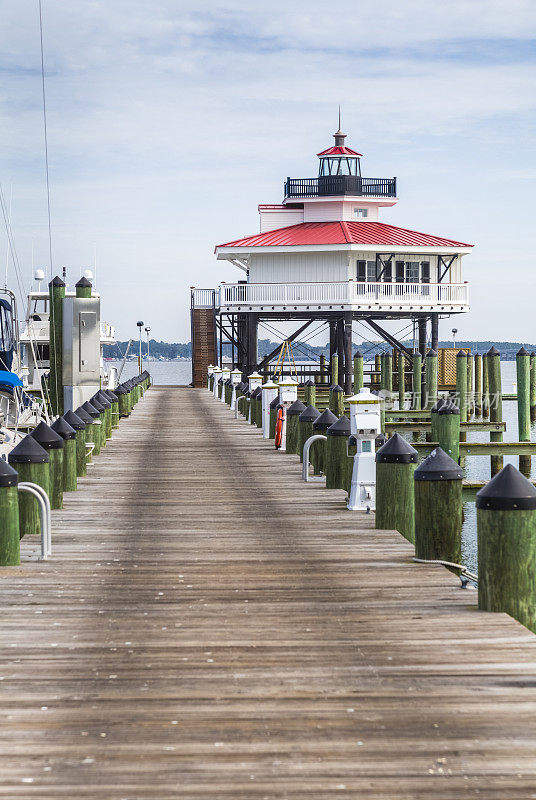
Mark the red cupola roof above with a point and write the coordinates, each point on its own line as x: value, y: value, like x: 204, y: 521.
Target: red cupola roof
x: 339, y: 151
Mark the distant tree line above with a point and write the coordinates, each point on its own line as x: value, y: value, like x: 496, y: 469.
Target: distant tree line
x: 304, y: 351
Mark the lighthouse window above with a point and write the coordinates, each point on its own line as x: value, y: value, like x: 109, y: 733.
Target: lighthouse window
x: 371, y: 271
x: 360, y: 212
x: 412, y: 272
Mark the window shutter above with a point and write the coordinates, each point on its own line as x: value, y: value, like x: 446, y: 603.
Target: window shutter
x: 388, y: 271
x: 425, y: 271
x: 399, y: 271
x: 361, y: 271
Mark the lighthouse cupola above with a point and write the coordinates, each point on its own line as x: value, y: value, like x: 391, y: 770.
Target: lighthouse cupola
x: 339, y: 159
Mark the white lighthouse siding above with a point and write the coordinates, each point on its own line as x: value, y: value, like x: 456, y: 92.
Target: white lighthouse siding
x: 272, y: 219
x: 298, y: 267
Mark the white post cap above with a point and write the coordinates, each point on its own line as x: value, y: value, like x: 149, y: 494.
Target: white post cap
x: 269, y: 385
x: 364, y: 395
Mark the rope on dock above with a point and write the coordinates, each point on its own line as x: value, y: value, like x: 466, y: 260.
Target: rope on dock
x: 464, y: 572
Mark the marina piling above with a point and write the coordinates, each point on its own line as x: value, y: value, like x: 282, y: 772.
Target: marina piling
x: 305, y: 429
x: 523, y: 405
x: 68, y: 434
x: 336, y: 461
x: 53, y: 444
x: 448, y: 430
x: 320, y: 425
x: 438, y: 508
x: 485, y: 386
x: 334, y: 368
x: 506, y: 531
x: 358, y: 371
x: 309, y: 393
x: 31, y: 462
x: 431, y: 379
x: 470, y: 386
x: 493, y: 359
x: 395, y: 507
x: 478, y: 385
x: 93, y: 434
x: 336, y: 400
x: 417, y: 381
x: 121, y: 393
x: 293, y: 413
x: 114, y: 415
x: 9, y: 516
x: 401, y: 381
x: 533, y: 387
x: 76, y: 422
x: 461, y: 388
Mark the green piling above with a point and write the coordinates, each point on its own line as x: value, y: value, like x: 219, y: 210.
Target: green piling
x: 31, y: 462
x: 358, y: 371
x: 274, y: 408
x: 478, y: 385
x: 438, y: 508
x: 336, y: 461
x: 470, y: 385
x: 320, y: 425
x: 506, y: 533
x: 76, y: 422
x: 533, y: 387
x: 493, y: 358
x: 401, y: 381
x: 448, y: 430
x: 395, y: 465
x: 68, y: 434
x: 461, y: 388
x: 377, y: 370
x: 485, y: 386
x: 336, y: 400
x: 56, y: 294
x: 434, y: 434
x: 309, y: 393
x: 293, y: 412
x: 323, y: 377
x: 9, y: 516
x: 54, y: 445
x: 431, y: 378
x: 523, y: 405
x: 334, y: 368
x: 417, y: 381
x: 83, y: 288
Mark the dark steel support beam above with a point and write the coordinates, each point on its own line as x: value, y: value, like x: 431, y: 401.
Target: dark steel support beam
x: 390, y: 339
x: 266, y: 360
x: 347, y: 353
x: 435, y: 330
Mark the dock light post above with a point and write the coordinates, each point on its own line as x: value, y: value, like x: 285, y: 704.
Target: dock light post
x: 269, y: 393
x: 216, y: 373
x: 365, y: 425
x: 288, y: 393
x: 147, y: 331
x: 454, y: 332
x: 140, y: 326
x: 236, y: 379
x: 225, y: 375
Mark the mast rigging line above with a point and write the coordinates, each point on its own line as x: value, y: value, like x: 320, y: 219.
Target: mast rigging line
x: 45, y: 133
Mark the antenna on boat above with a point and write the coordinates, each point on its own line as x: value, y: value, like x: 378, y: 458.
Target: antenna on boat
x: 39, y: 276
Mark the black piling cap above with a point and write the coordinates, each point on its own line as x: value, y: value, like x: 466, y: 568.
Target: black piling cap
x: 29, y: 451
x: 275, y: 402
x: 336, y: 388
x: 256, y: 392
x: 57, y: 281
x: 522, y: 352
x: 103, y: 400
x: 396, y: 451
x: 380, y: 440
x: 83, y: 283
x: 340, y: 428
x: 8, y: 476
x: 358, y: 354
x: 438, y: 405
x: 296, y: 409
x: 97, y: 404
x: 74, y: 421
x: 47, y: 437
x: 439, y: 466
x: 90, y: 409
x: 493, y: 352
x: 449, y: 407
x: 84, y: 416
x: 326, y: 419
x: 310, y: 414
x: 509, y: 490
x: 309, y: 383
x: 431, y: 353
x: 461, y: 354
x: 112, y: 397
x: 63, y: 429
x: 120, y: 390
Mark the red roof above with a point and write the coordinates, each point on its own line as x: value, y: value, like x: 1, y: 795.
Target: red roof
x: 343, y: 233
x: 339, y: 151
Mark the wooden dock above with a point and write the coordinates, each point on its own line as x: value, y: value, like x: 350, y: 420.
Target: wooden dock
x: 212, y: 627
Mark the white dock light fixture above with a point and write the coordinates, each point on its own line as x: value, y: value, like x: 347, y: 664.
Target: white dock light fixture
x: 236, y: 377
x: 269, y: 392
x: 288, y: 390
x: 365, y: 425
x: 210, y: 370
x: 139, y: 323
x: 217, y: 375
x: 225, y: 375
x: 255, y: 380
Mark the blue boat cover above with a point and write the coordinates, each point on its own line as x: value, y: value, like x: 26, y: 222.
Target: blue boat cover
x: 10, y: 379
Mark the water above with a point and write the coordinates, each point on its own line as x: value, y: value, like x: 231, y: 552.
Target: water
x: 476, y: 468
x: 163, y: 373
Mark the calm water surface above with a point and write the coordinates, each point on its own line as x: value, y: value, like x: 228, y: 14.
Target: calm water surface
x: 477, y: 468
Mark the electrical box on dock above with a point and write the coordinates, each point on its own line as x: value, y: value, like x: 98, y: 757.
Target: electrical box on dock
x: 81, y: 350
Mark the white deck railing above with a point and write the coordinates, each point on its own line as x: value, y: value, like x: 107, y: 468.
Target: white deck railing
x: 348, y: 293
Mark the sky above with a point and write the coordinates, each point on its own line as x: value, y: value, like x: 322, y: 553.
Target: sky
x: 168, y: 122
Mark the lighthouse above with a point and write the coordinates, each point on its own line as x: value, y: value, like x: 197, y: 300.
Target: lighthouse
x: 324, y: 254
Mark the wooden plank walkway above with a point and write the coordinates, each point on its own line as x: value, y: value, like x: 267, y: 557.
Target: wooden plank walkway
x: 212, y: 627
